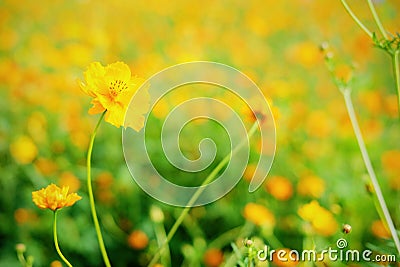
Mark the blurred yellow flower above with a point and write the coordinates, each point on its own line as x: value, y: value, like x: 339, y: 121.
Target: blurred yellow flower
x: 279, y: 187
x: 320, y: 218
x: 311, y: 185
x: 112, y: 88
x: 305, y: 54
x: 53, y: 197
x: 318, y: 124
x: 23, y: 150
x: 259, y: 215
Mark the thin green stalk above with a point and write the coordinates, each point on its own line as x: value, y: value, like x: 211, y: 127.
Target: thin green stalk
x: 21, y: 258
x: 396, y: 73
x: 161, y: 236
x: 230, y: 235
x: 377, y: 20
x: 354, y: 17
x: 308, y: 244
x: 370, y: 169
x: 56, y: 241
x: 274, y: 241
x: 195, y: 196
x: 91, y: 197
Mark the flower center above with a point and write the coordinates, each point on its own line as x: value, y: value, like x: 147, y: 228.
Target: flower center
x: 116, y: 87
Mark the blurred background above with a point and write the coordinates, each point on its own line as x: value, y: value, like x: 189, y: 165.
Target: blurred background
x: 44, y: 127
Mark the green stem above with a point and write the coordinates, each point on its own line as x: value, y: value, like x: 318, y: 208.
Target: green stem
x: 308, y: 244
x: 396, y: 73
x: 21, y: 258
x: 370, y: 169
x: 230, y: 235
x: 91, y: 197
x: 354, y: 17
x: 377, y: 20
x: 161, y: 236
x: 274, y: 241
x: 56, y: 241
x: 195, y: 196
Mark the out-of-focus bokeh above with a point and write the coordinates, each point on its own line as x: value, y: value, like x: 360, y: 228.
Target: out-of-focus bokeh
x: 317, y: 183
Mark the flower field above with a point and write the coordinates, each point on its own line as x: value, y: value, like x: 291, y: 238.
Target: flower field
x: 68, y: 71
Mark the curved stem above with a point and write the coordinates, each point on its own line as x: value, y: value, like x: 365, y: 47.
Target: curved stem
x: 56, y: 241
x: 354, y: 17
x: 370, y: 169
x: 91, y: 197
x: 21, y: 258
x: 396, y: 73
x: 377, y: 20
x: 195, y: 196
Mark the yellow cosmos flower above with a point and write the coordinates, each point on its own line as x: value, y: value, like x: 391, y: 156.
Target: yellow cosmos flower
x: 112, y: 88
x: 53, y: 197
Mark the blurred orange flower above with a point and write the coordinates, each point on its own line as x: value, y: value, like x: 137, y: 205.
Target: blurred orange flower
x: 53, y: 197
x: 390, y: 162
x: 22, y: 216
x: 259, y: 215
x: 138, y: 240
x: 213, y: 257
x: 284, y: 259
x: 344, y: 72
x: 249, y: 171
x: 45, y: 166
x: 379, y: 229
x: 279, y: 187
x: 320, y: 218
x: 112, y: 88
x: 68, y: 179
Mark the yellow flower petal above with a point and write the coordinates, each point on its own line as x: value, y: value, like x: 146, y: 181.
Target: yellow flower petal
x: 93, y: 77
x: 96, y: 108
x: 117, y: 71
